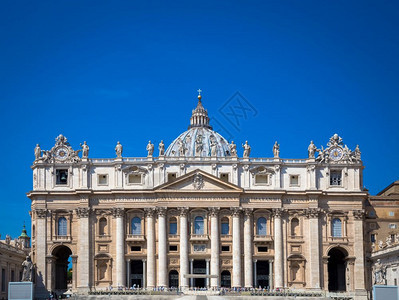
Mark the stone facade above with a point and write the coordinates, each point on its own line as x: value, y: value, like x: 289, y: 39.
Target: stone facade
x: 382, y: 236
x: 199, y: 215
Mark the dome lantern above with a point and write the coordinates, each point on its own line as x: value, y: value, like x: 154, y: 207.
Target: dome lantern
x: 199, y: 116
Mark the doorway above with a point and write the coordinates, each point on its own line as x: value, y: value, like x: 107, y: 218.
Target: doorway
x: 136, y: 276
x: 336, y: 270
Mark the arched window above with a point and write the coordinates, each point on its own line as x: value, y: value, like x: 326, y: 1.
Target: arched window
x: 172, y: 226
x: 261, y: 226
x: 225, y: 226
x: 336, y: 227
x: 199, y: 225
x: 136, y: 226
x: 295, y: 227
x: 103, y: 226
x: 62, y: 226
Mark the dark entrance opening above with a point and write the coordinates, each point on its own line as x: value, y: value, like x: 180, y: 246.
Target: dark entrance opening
x: 173, y: 279
x: 336, y: 270
x: 199, y: 267
x: 262, y: 274
x: 62, y: 255
x: 136, y: 273
x: 225, y: 279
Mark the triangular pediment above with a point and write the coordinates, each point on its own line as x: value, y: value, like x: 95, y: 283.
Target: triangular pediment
x: 198, y: 181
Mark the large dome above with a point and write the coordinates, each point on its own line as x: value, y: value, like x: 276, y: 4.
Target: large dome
x: 199, y: 140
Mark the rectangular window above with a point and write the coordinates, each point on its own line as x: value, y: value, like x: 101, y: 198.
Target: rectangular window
x: 335, y: 178
x: 372, y: 225
x: 392, y: 226
x: 372, y: 238
x: 3, y: 280
x: 261, y: 179
x: 262, y: 249
x: 225, y: 248
x: 391, y: 214
x: 294, y: 180
x: 172, y: 228
x: 172, y: 177
x: 134, y: 178
x: 372, y: 213
x: 12, y: 276
x: 135, y: 248
x: 102, y: 179
x: 173, y: 248
x: 225, y: 228
x: 224, y: 177
x: 61, y: 176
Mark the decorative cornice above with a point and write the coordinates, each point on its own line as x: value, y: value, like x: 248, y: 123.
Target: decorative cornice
x: 118, y: 212
x: 83, y: 212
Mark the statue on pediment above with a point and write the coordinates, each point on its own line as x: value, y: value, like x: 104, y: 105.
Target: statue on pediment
x: 276, y: 150
x: 38, y: 152
x: 247, y: 150
x: 161, y: 148
x: 150, y: 148
x: 379, y: 273
x: 118, y: 150
x: 233, y: 149
x: 311, y: 149
x: 85, y: 149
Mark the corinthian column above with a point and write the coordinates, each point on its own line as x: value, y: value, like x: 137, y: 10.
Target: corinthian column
x: 314, y: 247
x: 248, y: 279
x: 236, y: 247
x: 162, y: 255
x: 278, y: 249
x: 120, y: 246
x: 183, y: 248
x: 41, y: 246
x: 84, y: 248
x: 149, y: 215
x: 214, y: 211
x: 358, y: 216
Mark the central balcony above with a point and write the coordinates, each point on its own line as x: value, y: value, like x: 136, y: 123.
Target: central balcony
x: 135, y: 238
x: 62, y: 238
x: 199, y: 237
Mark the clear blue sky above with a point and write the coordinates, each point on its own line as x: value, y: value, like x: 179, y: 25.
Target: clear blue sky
x: 104, y: 71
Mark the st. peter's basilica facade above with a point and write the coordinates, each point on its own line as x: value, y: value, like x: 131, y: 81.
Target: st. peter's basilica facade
x: 198, y: 214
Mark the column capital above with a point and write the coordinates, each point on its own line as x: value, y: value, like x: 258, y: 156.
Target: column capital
x: 183, y: 211
x: 161, y: 211
x: 248, y: 212
x: 74, y: 259
x: 312, y: 213
x: 214, y: 211
x: 118, y: 212
x: 83, y: 212
x: 236, y: 211
x: 41, y: 213
x: 144, y: 260
x: 149, y: 212
x: 278, y: 212
x: 358, y: 214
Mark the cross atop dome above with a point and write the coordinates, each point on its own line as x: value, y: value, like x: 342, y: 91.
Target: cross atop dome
x: 199, y: 117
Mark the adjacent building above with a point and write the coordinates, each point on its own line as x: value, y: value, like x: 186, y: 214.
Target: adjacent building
x: 199, y: 214
x: 383, y: 236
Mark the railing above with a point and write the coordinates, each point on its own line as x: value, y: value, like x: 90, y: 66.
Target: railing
x: 225, y: 237
x: 62, y: 238
x: 338, y: 239
x: 263, y: 238
x: 199, y: 237
x: 104, y: 237
x: 174, y: 237
x: 135, y: 237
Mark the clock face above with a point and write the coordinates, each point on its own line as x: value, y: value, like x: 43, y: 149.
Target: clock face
x: 336, y: 154
x: 62, y: 153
